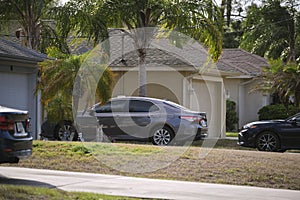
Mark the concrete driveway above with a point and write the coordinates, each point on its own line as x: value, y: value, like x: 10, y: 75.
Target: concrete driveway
x: 138, y: 187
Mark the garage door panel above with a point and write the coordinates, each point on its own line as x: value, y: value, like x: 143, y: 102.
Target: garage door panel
x: 14, y: 90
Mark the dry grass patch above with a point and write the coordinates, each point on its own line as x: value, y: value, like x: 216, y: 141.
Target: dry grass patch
x: 217, y: 165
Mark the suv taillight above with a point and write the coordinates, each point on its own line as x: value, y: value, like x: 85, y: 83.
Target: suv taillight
x: 6, y: 124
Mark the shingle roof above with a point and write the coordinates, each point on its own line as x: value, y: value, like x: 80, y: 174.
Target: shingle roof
x: 241, y: 61
x: 14, y: 50
x: 160, y: 52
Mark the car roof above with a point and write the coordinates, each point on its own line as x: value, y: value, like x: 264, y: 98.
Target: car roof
x: 4, y: 110
x: 138, y: 98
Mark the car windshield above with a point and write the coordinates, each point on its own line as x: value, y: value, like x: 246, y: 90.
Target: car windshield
x: 294, y: 116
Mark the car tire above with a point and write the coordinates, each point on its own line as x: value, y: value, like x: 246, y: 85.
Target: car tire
x: 65, y: 131
x: 162, y: 136
x: 268, y: 141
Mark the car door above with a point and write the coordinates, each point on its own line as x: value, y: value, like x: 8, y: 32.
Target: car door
x: 291, y: 132
x: 108, y: 116
x: 136, y: 124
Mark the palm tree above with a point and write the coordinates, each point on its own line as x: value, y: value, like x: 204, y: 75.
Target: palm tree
x: 140, y: 19
x: 36, y: 29
x: 271, y: 30
x: 283, y: 79
x: 200, y: 19
x: 57, y: 83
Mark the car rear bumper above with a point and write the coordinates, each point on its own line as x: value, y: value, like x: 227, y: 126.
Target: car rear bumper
x: 192, y: 134
x: 10, y: 149
x: 201, y: 134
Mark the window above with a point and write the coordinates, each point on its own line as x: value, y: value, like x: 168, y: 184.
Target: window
x: 298, y: 119
x: 142, y: 106
x: 112, y: 106
x: 103, y: 109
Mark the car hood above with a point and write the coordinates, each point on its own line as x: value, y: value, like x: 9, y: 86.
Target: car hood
x: 266, y: 122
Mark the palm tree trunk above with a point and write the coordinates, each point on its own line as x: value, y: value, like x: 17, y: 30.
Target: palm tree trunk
x: 142, y: 73
x: 297, y: 97
x: 292, y: 40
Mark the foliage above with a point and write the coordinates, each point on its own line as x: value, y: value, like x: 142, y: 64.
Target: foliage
x: 270, y: 30
x: 232, y: 35
x: 199, y: 19
x: 82, y: 19
x: 37, y: 28
x: 231, y: 116
x: 283, y: 79
x: 276, y: 111
x: 59, y: 108
x: 57, y: 83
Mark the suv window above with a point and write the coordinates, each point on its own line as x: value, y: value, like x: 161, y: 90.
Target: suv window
x: 142, y: 106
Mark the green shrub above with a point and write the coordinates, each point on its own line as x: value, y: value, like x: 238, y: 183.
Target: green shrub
x: 231, y: 116
x: 276, y: 111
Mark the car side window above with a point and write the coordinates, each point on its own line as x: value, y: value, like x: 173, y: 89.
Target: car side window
x: 142, y: 106
x: 112, y: 106
x: 104, y: 109
x: 298, y: 119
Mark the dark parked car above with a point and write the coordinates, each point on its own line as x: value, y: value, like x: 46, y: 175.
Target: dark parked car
x: 148, y: 119
x: 15, y: 139
x: 62, y: 131
x: 273, y: 135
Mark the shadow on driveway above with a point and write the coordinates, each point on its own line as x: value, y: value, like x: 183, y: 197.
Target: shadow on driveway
x: 12, y: 181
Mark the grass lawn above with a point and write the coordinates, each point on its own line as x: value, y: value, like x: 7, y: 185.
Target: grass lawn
x: 232, y: 134
x: 36, y: 193
x: 226, y: 163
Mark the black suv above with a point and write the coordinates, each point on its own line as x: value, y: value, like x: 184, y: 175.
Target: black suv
x: 146, y: 119
x: 15, y: 139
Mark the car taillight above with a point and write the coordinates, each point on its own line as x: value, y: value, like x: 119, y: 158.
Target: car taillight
x: 6, y: 124
x: 192, y: 118
x: 27, y: 124
x: 197, y: 119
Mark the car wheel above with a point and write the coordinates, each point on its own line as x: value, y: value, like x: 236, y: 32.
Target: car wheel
x: 65, y: 131
x: 268, y: 141
x: 162, y: 136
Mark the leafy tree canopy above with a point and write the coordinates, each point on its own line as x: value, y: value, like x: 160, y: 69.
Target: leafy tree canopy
x: 272, y: 30
x: 34, y: 22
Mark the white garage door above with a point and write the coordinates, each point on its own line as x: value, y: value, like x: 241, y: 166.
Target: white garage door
x: 14, y: 90
x: 208, y: 98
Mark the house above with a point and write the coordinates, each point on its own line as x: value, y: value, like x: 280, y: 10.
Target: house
x: 185, y: 75
x: 18, y: 78
x: 240, y: 70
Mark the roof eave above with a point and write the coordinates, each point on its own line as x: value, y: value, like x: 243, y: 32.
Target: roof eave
x: 24, y: 59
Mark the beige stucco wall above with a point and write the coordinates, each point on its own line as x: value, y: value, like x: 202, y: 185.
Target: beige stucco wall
x: 232, y: 89
x: 162, y: 84
x: 248, y: 103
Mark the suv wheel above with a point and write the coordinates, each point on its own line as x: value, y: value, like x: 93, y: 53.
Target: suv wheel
x: 162, y: 136
x: 268, y: 141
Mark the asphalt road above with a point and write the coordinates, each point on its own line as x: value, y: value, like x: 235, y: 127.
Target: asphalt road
x: 138, y: 187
